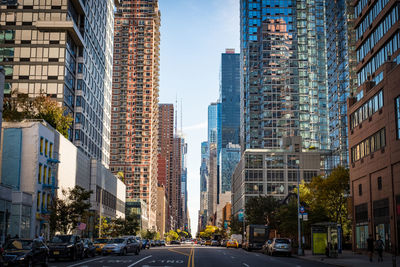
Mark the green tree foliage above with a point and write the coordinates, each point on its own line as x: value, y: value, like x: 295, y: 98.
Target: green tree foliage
x: 20, y: 107
x: 261, y: 210
x: 171, y: 235
x: 235, y: 225
x: 119, y: 226
x: 68, y: 211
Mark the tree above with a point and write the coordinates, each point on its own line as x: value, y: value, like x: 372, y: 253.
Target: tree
x: 261, y: 210
x: 171, y: 235
x: 235, y: 225
x: 70, y: 210
x: 20, y: 107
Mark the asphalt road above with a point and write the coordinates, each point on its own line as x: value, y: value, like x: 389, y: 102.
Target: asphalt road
x: 188, y: 256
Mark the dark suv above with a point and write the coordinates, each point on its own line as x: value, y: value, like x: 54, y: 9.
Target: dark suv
x: 66, y: 246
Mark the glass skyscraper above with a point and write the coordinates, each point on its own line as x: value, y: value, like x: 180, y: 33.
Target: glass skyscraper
x: 283, y: 87
x: 342, y: 80
x: 212, y: 123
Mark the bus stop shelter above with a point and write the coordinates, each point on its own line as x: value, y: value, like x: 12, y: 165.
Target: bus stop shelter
x: 326, y: 239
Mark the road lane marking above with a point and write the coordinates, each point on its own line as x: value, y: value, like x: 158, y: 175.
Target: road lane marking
x: 193, y: 258
x: 246, y: 265
x: 187, y: 255
x: 190, y: 256
x: 139, y: 261
x: 80, y: 263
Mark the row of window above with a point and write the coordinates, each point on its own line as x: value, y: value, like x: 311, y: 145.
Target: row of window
x: 43, y: 201
x: 369, y: 18
x: 365, y: 111
x: 373, y: 64
x: 360, y: 6
x: 379, y: 186
x: 397, y: 111
x: 47, y: 148
x: 373, y: 143
x: 383, y: 27
x: 44, y: 174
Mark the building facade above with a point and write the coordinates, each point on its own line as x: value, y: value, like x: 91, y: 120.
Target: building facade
x: 63, y: 49
x: 134, y: 133
x: 161, y: 210
x: 374, y: 136
x: 283, y: 65
x: 176, y: 204
x: 342, y: 79
x: 166, y: 155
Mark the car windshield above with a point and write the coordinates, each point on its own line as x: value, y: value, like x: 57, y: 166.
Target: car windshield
x: 19, y: 244
x: 117, y: 240
x: 282, y: 241
x: 62, y: 239
x: 101, y: 241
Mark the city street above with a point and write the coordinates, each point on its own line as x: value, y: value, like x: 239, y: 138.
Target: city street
x: 188, y: 256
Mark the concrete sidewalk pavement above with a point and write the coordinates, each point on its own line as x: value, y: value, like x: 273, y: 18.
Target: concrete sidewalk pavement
x: 349, y: 258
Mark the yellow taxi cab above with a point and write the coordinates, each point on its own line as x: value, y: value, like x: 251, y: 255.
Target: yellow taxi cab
x: 208, y: 242
x: 99, y: 243
x: 232, y: 244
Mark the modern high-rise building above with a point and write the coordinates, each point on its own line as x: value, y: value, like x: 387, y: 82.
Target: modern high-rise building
x: 229, y: 97
x: 374, y: 125
x: 283, y: 64
x: 212, y: 185
x: 212, y: 123
x: 176, y: 196
x: 203, y: 186
x: 342, y: 79
x: 64, y: 50
x: 134, y: 133
x: 184, y: 192
x: 165, y: 156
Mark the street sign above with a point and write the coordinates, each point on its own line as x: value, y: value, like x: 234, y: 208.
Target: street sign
x: 302, y: 209
x: 305, y: 216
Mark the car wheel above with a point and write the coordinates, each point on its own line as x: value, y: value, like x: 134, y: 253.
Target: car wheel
x: 45, y: 261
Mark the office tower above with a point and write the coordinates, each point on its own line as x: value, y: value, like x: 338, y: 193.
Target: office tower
x: 212, y: 185
x: 135, y: 101
x: 342, y: 81
x: 176, y: 205
x: 165, y: 156
x: 374, y: 125
x: 63, y: 49
x: 184, y: 209
x: 203, y: 186
x: 212, y: 123
x: 283, y: 87
x: 230, y: 97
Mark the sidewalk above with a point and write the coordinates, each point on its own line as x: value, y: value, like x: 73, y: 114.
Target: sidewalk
x: 349, y: 258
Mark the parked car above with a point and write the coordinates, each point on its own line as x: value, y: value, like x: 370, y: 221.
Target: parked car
x: 121, y: 246
x: 265, y: 247
x: 152, y: 243
x: 89, y: 250
x: 202, y: 243
x: 162, y: 242
x: 208, y: 242
x: 66, y: 246
x: 232, y: 244
x: 280, y: 246
x: 139, y: 240
x: 175, y: 242
x: 26, y: 252
x: 145, y: 244
x: 215, y: 243
x: 158, y: 243
x: 224, y: 242
x: 99, y: 243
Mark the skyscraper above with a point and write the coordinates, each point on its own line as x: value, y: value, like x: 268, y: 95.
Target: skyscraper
x: 166, y: 143
x: 176, y: 196
x: 212, y: 123
x: 63, y: 49
x: 203, y: 186
x: 340, y: 54
x: 283, y: 88
x: 229, y: 96
x: 134, y: 133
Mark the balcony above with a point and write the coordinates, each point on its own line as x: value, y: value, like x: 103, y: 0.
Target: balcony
x: 69, y: 25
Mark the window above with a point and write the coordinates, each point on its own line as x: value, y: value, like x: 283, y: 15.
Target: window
x: 41, y: 145
x: 397, y: 111
x: 373, y: 143
x: 51, y: 150
x: 367, y: 110
x: 49, y: 176
x: 40, y: 174
x: 379, y: 183
x: 46, y: 144
x: 44, y: 174
x: 360, y: 189
x: 48, y: 201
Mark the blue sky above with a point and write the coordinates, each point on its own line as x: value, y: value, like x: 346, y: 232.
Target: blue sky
x: 194, y: 33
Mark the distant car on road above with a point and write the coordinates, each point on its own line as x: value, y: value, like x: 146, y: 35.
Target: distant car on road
x: 145, y: 244
x: 208, y: 242
x: 158, y: 243
x: 25, y: 252
x: 162, y: 242
x: 89, y: 250
x: 66, y: 246
x: 122, y: 246
x: 215, y: 243
x: 232, y: 244
x: 175, y: 242
x: 280, y: 246
x: 99, y: 243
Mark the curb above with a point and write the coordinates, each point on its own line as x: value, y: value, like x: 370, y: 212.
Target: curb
x: 308, y: 259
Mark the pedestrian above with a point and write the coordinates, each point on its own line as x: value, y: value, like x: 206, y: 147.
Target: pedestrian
x: 370, y: 247
x: 379, y: 248
x: 41, y: 237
